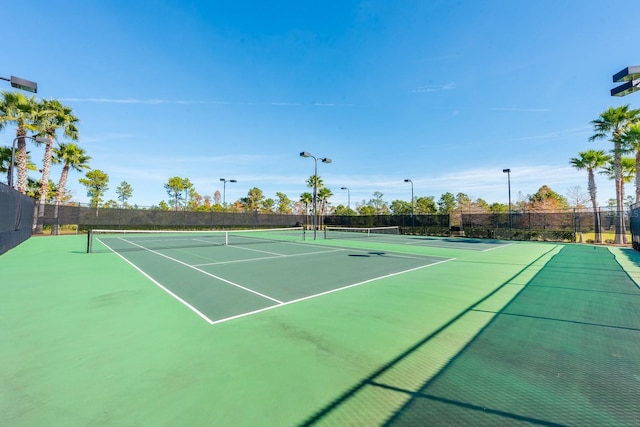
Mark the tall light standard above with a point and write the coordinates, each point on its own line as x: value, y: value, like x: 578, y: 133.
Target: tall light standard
x: 348, y: 199
x: 413, y: 221
x: 224, y: 190
x: 631, y: 78
x: 315, y: 187
x: 39, y: 139
x: 508, y: 172
x: 23, y: 84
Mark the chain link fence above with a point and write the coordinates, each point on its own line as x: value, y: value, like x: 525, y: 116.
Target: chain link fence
x: 566, y: 226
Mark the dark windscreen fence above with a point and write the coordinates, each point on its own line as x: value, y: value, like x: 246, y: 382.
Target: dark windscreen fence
x: 116, y: 218
x: 564, y: 226
x: 16, y: 217
x: 433, y: 224
x: 538, y: 225
x: 634, y: 219
x: 525, y: 225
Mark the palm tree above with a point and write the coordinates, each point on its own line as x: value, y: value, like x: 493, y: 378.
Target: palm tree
x: 73, y: 158
x: 631, y: 142
x: 592, y: 160
x: 19, y: 109
x: 315, y: 182
x: 627, y: 173
x: 323, y: 197
x: 51, y: 116
x: 612, y: 123
x: 306, y: 199
x: 5, y: 160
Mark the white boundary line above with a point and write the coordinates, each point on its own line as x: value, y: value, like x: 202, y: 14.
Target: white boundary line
x: 185, y: 303
x: 446, y: 245
x: 279, y: 303
x: 327, y: 292
x: 205, y: 273
x: 236, y: 261
x: 256, y: 250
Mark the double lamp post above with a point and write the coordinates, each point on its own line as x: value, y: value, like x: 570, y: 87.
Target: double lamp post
x: 315, y: 188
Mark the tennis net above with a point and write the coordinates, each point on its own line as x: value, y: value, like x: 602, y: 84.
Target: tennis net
x: 132, y: 240
x: 331, y: 232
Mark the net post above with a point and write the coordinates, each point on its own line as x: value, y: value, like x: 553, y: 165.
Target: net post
x: 226, y: 238
x: 89, y: 240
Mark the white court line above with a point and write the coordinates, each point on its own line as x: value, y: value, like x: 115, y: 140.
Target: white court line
x: 235, y: 261
x: 443, y: 244
x: 255, y: 250
x: 204, y: 272
x: 327, y: 292
x: 279, y: 303
x: 185, y: 303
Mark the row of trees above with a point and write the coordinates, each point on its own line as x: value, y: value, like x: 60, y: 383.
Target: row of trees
x: 184, y: 196
x: 621, y: 127
x: 49, y: 120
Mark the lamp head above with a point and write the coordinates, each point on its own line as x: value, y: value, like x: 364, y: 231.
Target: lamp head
x: 343, y: 188
x: 326, y: 160
x: 232, y: 180
x: 305, y: 154
x: 223, y: 180
x: 407, y: 180
x: 23, y: 84
x: 506, y: 170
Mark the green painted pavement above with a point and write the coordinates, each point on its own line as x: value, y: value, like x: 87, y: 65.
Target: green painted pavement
x: 88, y: 340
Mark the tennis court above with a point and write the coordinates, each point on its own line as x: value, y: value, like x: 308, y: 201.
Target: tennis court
x: 225, y: 275
x: 391, y: 236
x: 357, y: 332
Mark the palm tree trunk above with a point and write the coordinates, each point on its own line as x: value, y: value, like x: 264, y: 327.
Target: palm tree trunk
x: 44, y: 185
x: 619, y: 238
x: 55, y: 227
x: 637, y: 176
x: 21, y: 161
x: 594, y: 203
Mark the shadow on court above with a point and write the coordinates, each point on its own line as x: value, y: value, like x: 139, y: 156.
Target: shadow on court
x: 561, y: 352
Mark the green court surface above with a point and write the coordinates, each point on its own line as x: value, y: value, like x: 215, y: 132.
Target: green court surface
x: 359, y: 332
x: 221, y: 283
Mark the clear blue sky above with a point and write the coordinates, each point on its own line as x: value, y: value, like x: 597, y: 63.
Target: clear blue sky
x: 446, y: 93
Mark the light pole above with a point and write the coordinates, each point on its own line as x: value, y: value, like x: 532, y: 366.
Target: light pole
x: 39, y: 139
x: 315, y: 187
x: 631, y: 78
x: 224, y: 190
x: 23, y: 84
x: 348, y: 199
x: 508, y: 172
x: 413, y: 221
